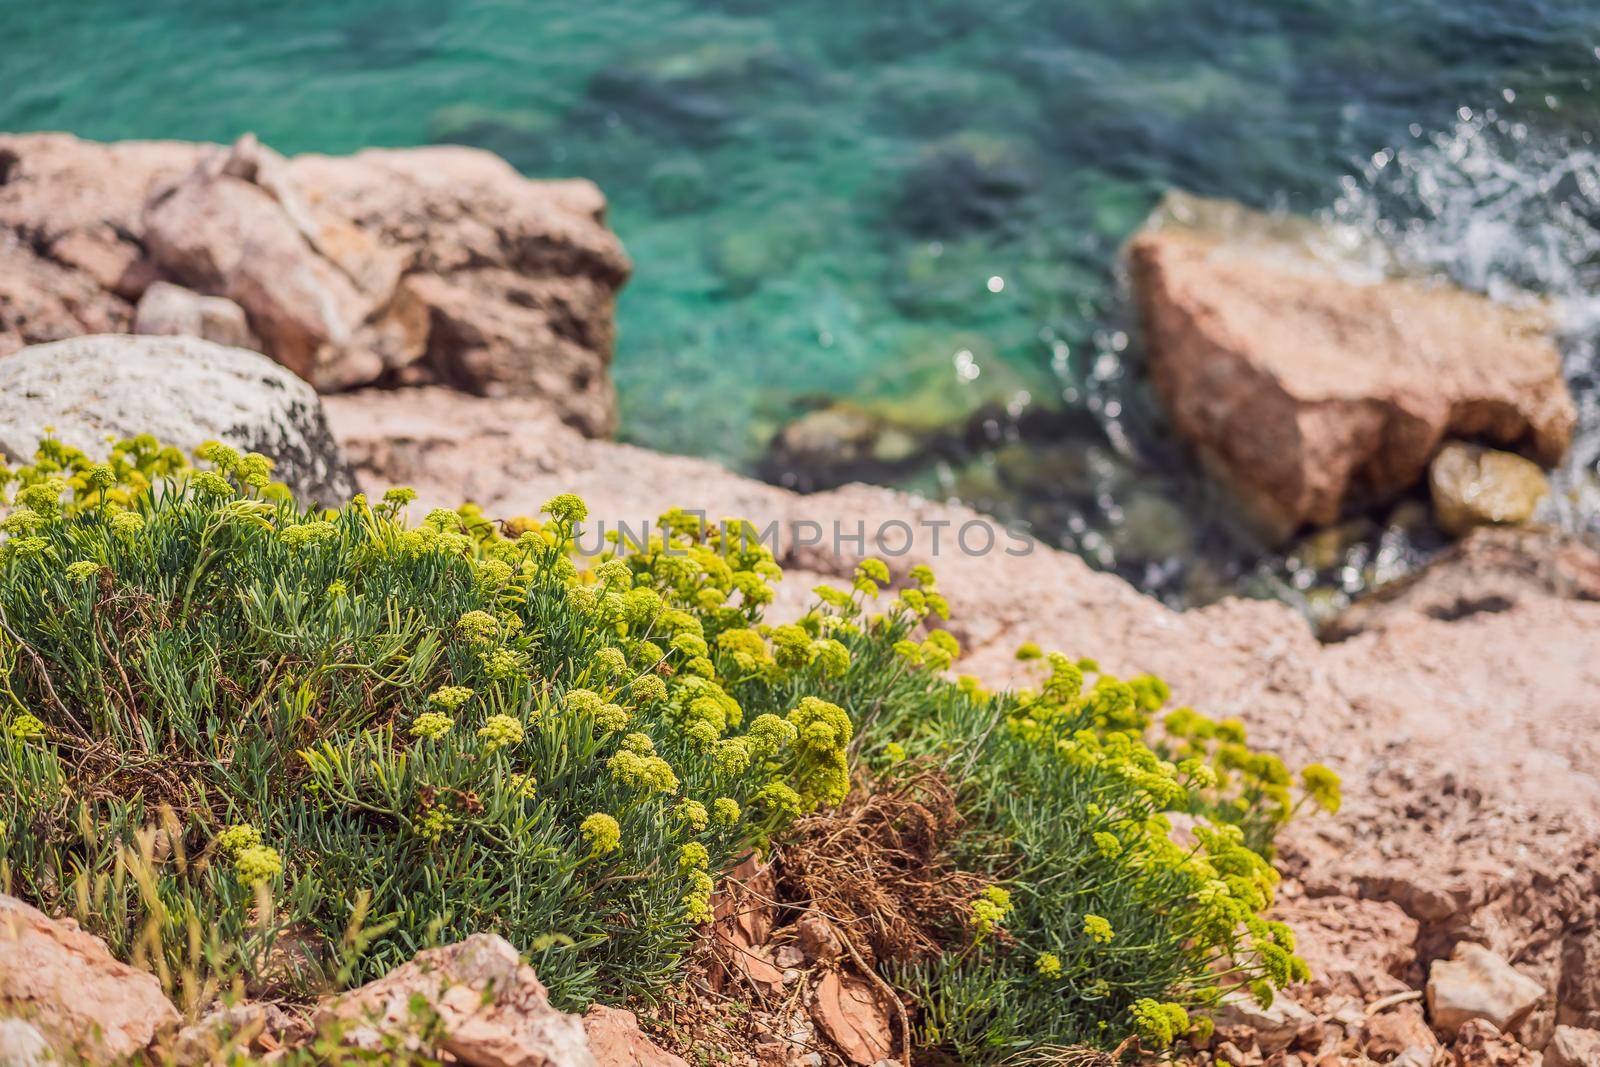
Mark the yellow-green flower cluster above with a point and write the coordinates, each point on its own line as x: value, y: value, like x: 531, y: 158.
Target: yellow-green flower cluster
x: 602, y: 832
x: 1160, y: 1023
x: 990, y: 910
x: 822, y: 734
x: 82, y: 569
x: 25, y: 727
x: 431, y: 725
x: 450, y: 697
x: 636, y: 764
x: 253, y: 862
x: 1098, y: 929
x: 500, y: 731
x: 725, y: 811
x: 433, y: 824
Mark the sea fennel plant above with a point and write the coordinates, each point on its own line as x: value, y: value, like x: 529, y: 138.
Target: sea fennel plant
x: 243, y: 739
x: 260, y: 745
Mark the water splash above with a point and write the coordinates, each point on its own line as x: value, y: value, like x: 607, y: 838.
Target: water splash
x: 1504, y: 210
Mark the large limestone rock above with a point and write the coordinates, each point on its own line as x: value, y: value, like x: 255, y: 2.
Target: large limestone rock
x: 518, y: 278
x: 491, y: 1009
x: 1307, y: 383
x: 218, y: 231
x: 183, y: 390
x: 62, y: 983
x: 390, y: 267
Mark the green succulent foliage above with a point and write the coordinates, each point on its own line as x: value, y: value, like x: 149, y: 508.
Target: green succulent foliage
x: 1130, y: 864
x: 262, y: 746
x: 246, y: 740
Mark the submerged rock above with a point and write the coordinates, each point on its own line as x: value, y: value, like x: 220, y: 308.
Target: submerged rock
x: 184, y: 391
x: 1308, y: 382
x: 71, y: 992
x: 1473, y: 486
x: 843, y: 443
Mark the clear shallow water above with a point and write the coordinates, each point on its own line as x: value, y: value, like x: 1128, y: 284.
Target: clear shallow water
x: 915, y: 204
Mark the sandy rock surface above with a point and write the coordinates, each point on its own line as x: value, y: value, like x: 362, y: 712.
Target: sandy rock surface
x: 436, y: 264
x: 1307, y: 382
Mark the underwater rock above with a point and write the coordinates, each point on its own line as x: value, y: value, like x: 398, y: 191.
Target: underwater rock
x: 966, y: 183
x: 841, y: 443
x: 63, y: 982
x: 1473, y: 486
x: 389, y: 267
x: 183, y: 390
x: 1308, y: 383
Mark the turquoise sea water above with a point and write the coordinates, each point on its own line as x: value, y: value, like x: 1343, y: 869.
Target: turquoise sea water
x: 917, y: 205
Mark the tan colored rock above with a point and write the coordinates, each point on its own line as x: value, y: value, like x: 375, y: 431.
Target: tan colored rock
x: 62, y: 982
x: 230, y: 1031
x: 1481, y: 1044
x: 850, y: 1011
x: 1365, y: 949
x: 1474, y: 486
x: 1477, y: 984
x: 492, y: 1010
x: 819, y: 941
x: 1573, y: 1047
x: 221, y: 234
x: 22, y: 1045
x: 78, y: 204
x: 1399, y: 1032
x: 173, y: 310
x: 615, y: 1040
x: 395, y: 267
x: 519, y: 278
x: 1306, y: 386
x: 1241, y: 1020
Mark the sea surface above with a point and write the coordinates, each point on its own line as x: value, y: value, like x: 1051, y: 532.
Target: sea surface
x: 919, y: 206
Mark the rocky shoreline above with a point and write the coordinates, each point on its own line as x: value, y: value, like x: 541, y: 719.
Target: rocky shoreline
x: 1450, y: 910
